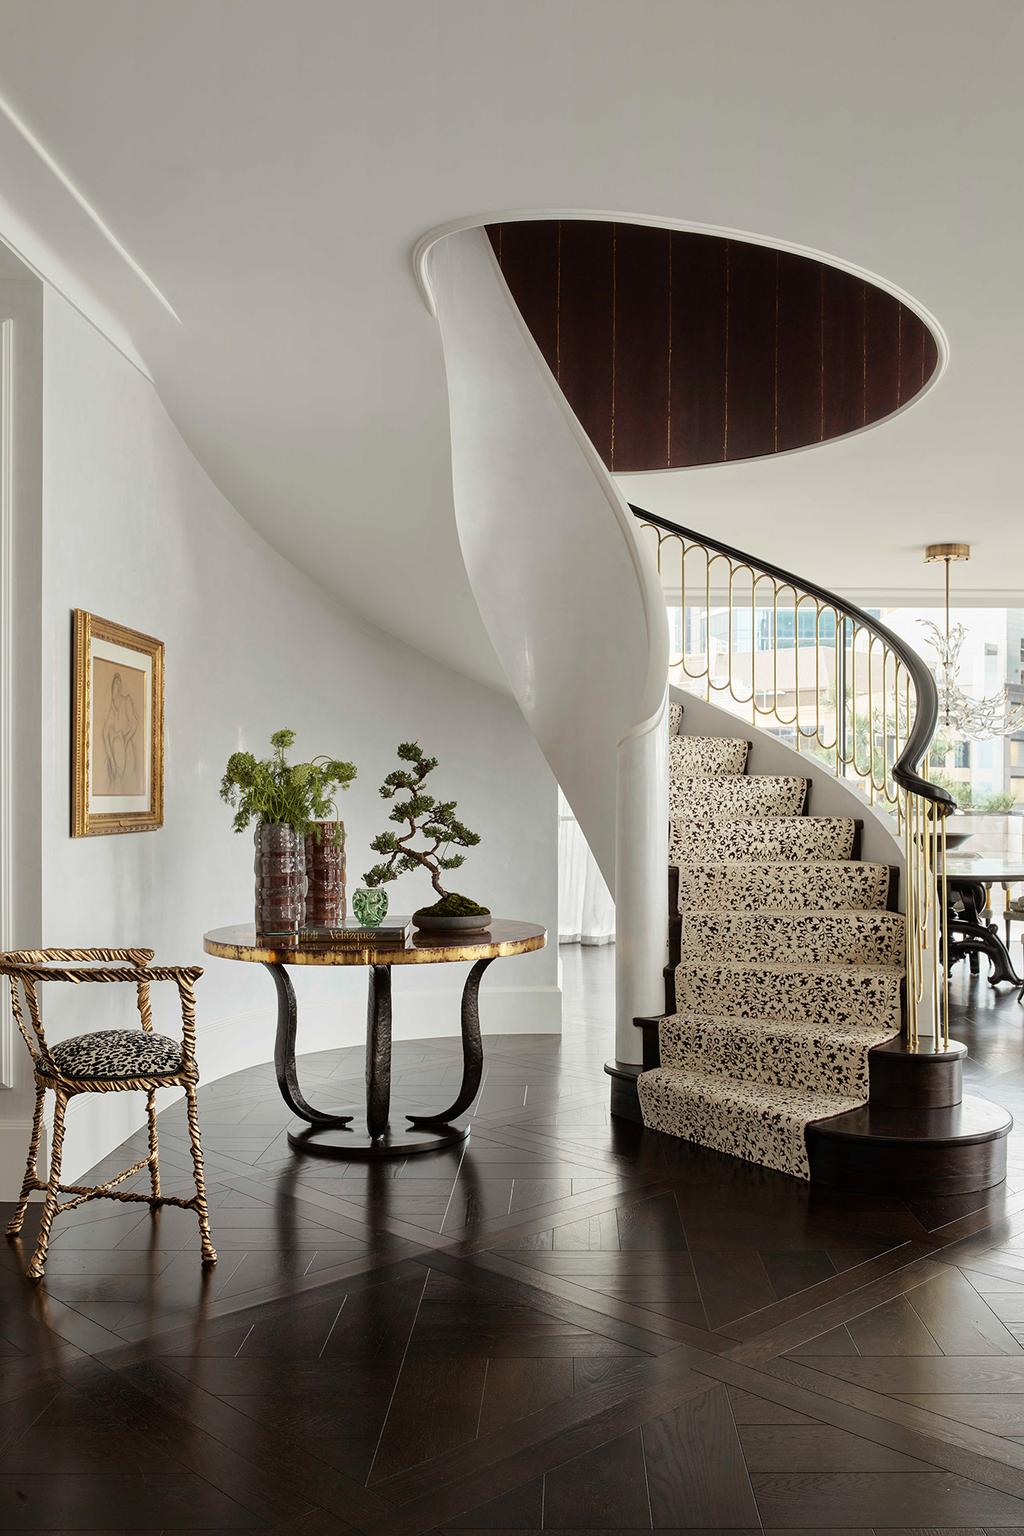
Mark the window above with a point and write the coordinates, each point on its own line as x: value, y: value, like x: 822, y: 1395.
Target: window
x: 991, y: 667
x: 1017, y: 755
x: 963, y: 754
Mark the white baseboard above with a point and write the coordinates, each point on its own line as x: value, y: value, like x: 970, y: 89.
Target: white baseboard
x: 14, y: 1139
x: 98, y: 1123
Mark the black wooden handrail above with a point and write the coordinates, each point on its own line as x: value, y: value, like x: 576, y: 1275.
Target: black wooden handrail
x: 904, y: 769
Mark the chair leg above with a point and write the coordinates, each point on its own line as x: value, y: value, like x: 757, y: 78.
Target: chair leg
x: 38, y: 1262
x: 31, y: 1180
x: 154, y: 1148
x: 202, y: 1210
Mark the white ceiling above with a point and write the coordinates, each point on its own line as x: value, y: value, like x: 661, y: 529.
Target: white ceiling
x: 262, y: 169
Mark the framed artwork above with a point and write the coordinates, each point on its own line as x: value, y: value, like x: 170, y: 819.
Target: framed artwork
x: 117, y: 729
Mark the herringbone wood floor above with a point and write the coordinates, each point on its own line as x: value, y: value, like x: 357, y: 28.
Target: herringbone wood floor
x: 567, y: 1325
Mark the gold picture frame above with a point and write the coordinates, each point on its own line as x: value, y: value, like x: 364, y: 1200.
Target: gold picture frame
x: 117, y: 728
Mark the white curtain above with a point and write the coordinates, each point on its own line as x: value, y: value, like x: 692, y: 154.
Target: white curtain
x: 586, y: 912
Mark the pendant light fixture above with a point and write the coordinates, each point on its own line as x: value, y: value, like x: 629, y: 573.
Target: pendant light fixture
x: 976, y: 719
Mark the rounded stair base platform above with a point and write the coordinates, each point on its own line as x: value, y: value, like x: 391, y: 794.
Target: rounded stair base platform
x: 951, y: 1150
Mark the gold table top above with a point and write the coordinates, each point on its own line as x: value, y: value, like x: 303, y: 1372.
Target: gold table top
x: 503, y: 937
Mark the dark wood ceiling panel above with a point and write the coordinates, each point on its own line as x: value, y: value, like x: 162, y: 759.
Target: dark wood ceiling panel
x: 843, y: 404
x: 697, y: 424
x: 799, y: 356
x: 881, y: 349
x: 677, y: 349
x: 584, y: 363
x: 528, y: 256
x: 643, y: 343
x: 751, y: 352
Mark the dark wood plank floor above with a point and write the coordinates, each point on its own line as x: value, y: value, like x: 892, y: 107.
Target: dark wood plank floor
x: 566, y: 1325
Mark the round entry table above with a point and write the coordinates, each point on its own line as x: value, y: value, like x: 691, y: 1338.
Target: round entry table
x: 334, y: 1135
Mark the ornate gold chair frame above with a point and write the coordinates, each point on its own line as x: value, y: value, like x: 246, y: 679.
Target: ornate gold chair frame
x: 25, y: 969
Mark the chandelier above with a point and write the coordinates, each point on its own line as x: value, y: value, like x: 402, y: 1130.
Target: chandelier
x: 977, y: 719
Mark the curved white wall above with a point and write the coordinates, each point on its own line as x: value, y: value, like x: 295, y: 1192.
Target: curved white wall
x: 134, y: 530
x: 570, y: 600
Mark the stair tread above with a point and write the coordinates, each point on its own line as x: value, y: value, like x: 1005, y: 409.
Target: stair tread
x: 708, y: 758
x: 803, y: 916
x: 803, y: 1027
x: 778, y: 839
x: 849, y: 938
x: 759, y: 1122
x: 774, y: 779
x: 815, y: 865
x: 759, y: 885
x: 706, y: 824
x: 787, y: 967
x: 737, y: 796
x: 973, y: 1119
x: 739, y: 1090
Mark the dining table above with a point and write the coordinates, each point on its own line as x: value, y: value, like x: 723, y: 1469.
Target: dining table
x: 970, y: 933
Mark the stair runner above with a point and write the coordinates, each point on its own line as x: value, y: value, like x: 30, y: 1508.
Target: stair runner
x: 790, y: 965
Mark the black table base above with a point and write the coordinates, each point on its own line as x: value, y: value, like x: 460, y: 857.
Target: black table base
x: 329, y: 1135
x: 969, y: 936
x: 359, y: 1145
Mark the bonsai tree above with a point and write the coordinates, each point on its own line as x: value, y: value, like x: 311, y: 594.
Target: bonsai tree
x: 274, y: 791
x: 430, y: 821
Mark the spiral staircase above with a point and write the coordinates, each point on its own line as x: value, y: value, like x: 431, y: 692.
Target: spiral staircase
x: 805, y: 1021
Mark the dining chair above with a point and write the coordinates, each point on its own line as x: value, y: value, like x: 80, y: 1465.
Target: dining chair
x: 1013, y: 911
x: 105, y: 1061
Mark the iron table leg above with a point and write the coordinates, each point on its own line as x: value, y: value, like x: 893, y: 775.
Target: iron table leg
x: 378, y: 1051
x: 284, y: 1053
x: 472, y: 1052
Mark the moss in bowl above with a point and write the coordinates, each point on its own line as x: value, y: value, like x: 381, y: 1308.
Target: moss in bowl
x: 453, y: 913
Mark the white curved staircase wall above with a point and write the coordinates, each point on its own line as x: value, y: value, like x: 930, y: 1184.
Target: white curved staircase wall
x: 570, y: 600
x: 134, y: 530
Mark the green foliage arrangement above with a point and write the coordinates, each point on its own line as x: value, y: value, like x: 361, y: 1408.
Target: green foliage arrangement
x: 993, y: 803
x: 434, y: 822
x: 272, y: 790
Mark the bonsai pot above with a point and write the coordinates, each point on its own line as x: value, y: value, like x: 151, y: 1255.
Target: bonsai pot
x: 451, y: 922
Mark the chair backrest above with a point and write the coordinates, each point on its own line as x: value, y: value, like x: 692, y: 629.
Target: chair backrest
x: 24, y: 968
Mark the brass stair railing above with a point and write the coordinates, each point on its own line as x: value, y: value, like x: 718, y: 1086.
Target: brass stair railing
x: 860, y: 701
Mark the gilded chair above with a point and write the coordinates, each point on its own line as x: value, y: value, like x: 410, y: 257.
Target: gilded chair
x: 106, y: 1061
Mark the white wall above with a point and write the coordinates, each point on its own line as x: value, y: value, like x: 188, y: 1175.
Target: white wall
x: 136, y: 532
x: 21, y: 316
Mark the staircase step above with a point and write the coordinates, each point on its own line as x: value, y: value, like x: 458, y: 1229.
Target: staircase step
x: 954, y: 1149
x: 859, y: 995
x: 753, y: 886
x: 760, y: 1122
x: 675, y: 719
x: 838, y: 938
x: 702, y: 757
x: 823, y: 1058
x: 736, y: 798
x: 787, y: 838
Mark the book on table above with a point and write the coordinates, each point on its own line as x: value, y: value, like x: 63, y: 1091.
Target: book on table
x: 358, y: 935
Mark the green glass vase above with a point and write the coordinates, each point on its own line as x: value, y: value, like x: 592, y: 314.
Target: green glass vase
x: 370, y: 907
